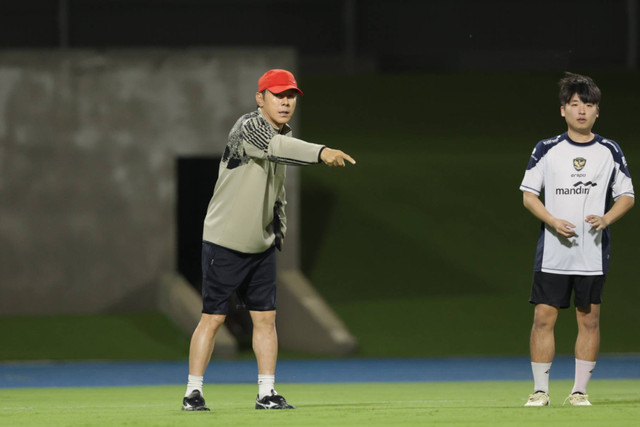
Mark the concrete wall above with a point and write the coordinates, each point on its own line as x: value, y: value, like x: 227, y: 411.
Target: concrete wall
x: 88, y: 142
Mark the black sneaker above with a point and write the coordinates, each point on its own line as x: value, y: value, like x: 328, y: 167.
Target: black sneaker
x: 275, y: 401
x: 194, y: 402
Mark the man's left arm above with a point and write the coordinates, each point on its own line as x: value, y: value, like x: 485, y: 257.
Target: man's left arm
x: 280, y: 220
x: 617, y: 211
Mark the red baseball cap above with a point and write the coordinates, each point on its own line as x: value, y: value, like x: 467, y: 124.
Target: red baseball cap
x: 277, y: 81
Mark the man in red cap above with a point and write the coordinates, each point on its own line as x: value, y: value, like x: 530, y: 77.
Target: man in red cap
x: 245, y: 223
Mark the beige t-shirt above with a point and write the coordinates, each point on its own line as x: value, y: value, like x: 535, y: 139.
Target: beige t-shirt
x: 250, y: 184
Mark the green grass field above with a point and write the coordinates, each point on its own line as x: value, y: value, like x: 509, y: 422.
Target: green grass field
x: 616, y: 403
x: 146, y: 335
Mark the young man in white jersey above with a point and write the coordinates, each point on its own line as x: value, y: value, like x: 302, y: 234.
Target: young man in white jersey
x: 245, y: 223
x: 580, y: 173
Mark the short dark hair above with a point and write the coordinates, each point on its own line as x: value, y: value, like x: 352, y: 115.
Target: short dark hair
x: 584, y: 86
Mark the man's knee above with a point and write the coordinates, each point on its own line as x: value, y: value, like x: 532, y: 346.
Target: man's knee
x: 588, y: 318
x: 263, y: 319
x: 545, y: 317
x: 211, y: 322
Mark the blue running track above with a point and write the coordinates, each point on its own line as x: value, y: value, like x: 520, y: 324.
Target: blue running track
x: 99, y: 374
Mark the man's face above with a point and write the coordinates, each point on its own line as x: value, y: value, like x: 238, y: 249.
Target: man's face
x: 580, y: 117
x: 278, y: 108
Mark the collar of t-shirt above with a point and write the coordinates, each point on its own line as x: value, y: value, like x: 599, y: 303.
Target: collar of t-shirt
x: 595, y: 139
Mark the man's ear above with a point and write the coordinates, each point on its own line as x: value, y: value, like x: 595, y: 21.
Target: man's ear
x: 259, y: 99
x: 562, y: 110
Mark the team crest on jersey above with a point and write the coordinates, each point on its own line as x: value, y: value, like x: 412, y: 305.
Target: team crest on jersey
x: 579, y: 162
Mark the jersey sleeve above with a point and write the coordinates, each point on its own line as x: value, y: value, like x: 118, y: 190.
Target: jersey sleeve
x: 293, y: 151
x: 261, y: 141
x: 622, y: 184
x: 256, y: 134
x: 533, y: 180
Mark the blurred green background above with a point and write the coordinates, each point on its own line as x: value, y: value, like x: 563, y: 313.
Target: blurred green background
x: 423, y: 248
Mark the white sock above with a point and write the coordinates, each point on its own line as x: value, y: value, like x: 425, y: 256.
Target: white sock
x: 194, y: 383
x: 584, y: 368
x: 540, y: 376
x: 266, y: 385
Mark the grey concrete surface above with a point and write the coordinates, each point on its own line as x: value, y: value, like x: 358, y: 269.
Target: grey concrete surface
x: 88, y: 143
x: 305, y: 321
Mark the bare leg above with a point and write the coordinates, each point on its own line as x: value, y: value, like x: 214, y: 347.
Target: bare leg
x: 265, y: 341
x: 588, y: 341
x: 587, y: 346
x: 542, y: 341
x: 202, y: 342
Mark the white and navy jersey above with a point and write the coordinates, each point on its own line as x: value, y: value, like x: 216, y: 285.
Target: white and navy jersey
x: 578, y: 179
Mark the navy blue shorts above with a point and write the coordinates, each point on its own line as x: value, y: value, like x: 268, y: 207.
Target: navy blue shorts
x: 555, y: 289
x: 251, y: 276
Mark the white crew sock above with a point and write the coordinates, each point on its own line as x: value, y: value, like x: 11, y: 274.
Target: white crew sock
x: 194, y: 383
x: 584, y: 368
x: 540, y: 376
x: 266, y: 385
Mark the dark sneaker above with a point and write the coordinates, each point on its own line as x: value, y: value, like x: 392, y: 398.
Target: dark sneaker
x: 275, y: 401
x: 194, y: 402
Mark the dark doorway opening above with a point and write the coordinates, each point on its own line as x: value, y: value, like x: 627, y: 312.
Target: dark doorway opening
x: 197, y: 177
x: 196, y: 180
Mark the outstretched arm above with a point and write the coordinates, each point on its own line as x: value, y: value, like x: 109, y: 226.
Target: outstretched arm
x: 259, y: 142
x: 617, y: 211
x: 536, y: 207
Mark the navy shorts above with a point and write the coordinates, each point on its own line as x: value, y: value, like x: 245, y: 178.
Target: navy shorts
x: 555, y: 289
x: 251, y: 276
